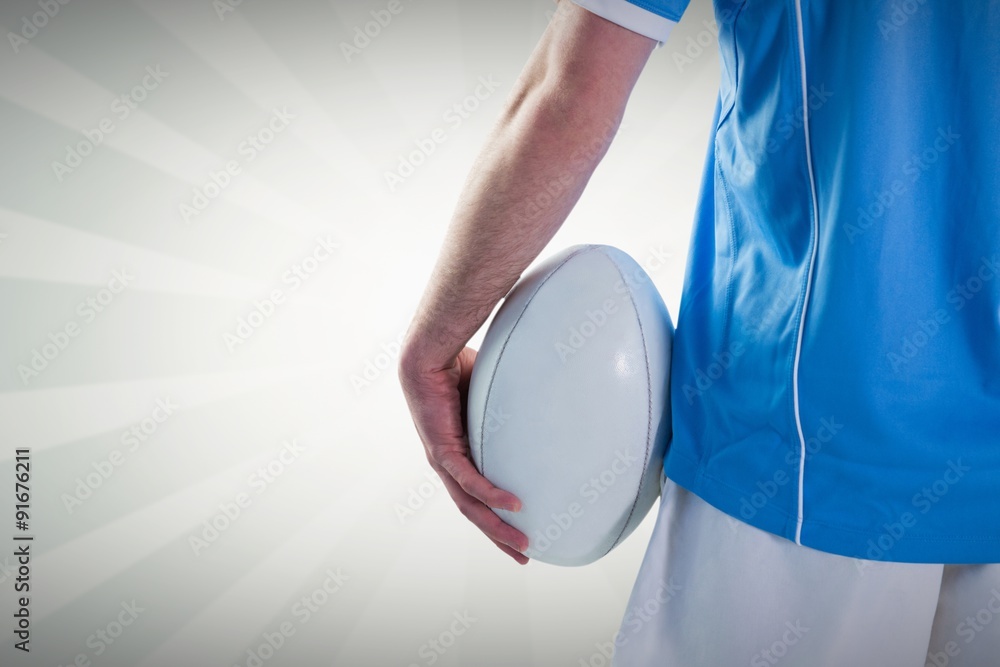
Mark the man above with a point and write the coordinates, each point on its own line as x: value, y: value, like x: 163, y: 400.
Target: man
x: 830, y: 492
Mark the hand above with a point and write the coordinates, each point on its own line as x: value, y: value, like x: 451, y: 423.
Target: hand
x: 437, y: 401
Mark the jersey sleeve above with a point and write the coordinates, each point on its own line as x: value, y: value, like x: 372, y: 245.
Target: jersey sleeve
x: 652, y: 18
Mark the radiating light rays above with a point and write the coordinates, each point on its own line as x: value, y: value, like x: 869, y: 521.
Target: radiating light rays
x: 138, y: 133
x: 34, y: 254
x: 118, y: 560
x: 292, y: 378
x: 97, y: 557
x: 265, y: 597
x: 407, y: 602
x: 236, y: 51
x: 100, y: 408
x: 117, y: 197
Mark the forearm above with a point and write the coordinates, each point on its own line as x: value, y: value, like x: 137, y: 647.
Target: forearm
x: 523, y: 185
x: 557, y: 125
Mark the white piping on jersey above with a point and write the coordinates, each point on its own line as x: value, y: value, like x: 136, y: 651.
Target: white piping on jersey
x: 812, y: 261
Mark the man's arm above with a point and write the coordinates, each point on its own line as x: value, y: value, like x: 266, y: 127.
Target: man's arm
x: 558, y: 122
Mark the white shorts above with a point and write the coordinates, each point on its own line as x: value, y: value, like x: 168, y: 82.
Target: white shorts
x: 716, y: 592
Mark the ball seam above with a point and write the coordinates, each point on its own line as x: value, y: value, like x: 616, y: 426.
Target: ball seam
x: 496, y: 367
x: 649, y: 403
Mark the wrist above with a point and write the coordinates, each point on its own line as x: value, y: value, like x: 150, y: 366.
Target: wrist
x: 419, y: 355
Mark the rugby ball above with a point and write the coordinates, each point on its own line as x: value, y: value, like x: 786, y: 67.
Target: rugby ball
x: 569, y: 402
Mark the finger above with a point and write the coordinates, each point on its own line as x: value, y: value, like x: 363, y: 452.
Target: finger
x: 461, y: 469
x: 519, y: 557
x: 484, y: 518
x: 487, y: 521
x: 466, y: 359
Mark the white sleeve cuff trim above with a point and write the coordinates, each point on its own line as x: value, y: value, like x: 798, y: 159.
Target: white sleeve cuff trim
x: 632, y: 17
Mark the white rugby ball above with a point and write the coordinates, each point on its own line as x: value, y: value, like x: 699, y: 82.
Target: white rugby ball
x: 569, y: 404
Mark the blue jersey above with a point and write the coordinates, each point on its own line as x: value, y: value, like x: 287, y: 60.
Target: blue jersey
x: 836, y: 370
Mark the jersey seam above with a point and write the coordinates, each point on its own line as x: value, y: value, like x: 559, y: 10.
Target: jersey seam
x: 814, y: 231
x: 736, y: 66
x: 731, y: 223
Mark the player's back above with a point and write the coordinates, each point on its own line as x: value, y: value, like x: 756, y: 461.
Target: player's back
x: 837, y: 363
